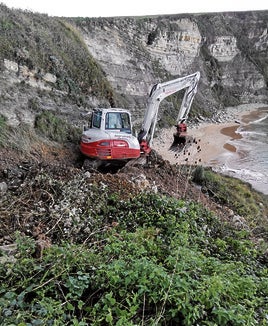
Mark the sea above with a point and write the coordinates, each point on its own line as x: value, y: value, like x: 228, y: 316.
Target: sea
x: 249, y: 162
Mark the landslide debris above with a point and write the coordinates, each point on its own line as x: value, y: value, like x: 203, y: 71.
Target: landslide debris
x: 50, y: 197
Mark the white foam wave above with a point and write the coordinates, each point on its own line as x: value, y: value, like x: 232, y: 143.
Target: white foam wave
x: 250, y: 133
x: 245, y: 174
x: 247, y: 145
x: 258, y: 180
x: 249, y: 162
x: 251, y: 174
x: 259, y: 120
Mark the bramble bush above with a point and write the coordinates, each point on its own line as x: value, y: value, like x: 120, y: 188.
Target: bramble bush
x: 157, y: 261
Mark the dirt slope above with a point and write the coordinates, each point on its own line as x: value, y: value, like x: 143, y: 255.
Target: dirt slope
x: 26, y: 197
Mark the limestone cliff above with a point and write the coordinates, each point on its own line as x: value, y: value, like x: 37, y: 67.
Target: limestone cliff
x: 229, y: 49
x: 71, y: 65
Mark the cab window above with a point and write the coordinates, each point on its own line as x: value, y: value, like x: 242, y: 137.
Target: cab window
x: 96, y: 119
x: 126, y: 122
x: 118, y: 120
x: 113, y: 120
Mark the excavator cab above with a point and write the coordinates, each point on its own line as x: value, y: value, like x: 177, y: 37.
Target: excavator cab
x: 111, y: 120
x: 109, y: 137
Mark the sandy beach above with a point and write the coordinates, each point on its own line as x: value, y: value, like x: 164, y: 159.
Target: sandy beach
x: 208, y: 142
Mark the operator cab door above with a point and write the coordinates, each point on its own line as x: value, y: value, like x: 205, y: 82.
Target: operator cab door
x: 96, y: 120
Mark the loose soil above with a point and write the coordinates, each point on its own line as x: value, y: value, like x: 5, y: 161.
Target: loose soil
x: 30, y: 198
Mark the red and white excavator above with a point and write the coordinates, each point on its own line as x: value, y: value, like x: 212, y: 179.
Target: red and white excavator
x: 109, y: 137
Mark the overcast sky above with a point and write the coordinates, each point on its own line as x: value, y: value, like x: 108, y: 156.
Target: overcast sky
x: 110, y: 8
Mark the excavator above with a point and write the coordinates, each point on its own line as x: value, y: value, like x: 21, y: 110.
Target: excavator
x: 109, y: 137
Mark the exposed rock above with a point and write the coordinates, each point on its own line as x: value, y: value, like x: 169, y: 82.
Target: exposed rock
x: 229, y: 49
x: 142, y: 50
x: 224, y: 49
x: 3, y: 187
x: 240, y: 222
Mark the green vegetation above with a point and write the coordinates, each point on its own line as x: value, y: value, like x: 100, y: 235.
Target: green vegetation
x: 3, y: 128
x: 236, y: 195
x: 102, y: 257
x: 148, y: 260
x: 47, y: 125
x: 50, y: 44
x: 19, y: 138
x: 52, y: 127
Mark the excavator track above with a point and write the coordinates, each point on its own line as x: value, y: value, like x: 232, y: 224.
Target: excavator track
x: 140, y: 161
x: 91, y: 165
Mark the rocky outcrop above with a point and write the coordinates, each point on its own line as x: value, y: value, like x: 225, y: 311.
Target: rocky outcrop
x: 224, y: 49
x: 132, y: 54
x: 175, y: 45
x: 136, y: 53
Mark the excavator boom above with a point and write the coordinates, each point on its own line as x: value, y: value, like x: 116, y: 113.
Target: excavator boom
x: 161, y: 91
x: 109, y: 137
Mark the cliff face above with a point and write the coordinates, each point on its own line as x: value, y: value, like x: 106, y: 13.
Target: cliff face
x: 136, y: 53
x: 230, y: 51
x: 70, y: 65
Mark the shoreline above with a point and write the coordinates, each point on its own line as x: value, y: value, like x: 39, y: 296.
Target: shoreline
x: 210, y: 145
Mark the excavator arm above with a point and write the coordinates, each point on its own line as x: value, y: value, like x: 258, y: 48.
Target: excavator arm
x: 158, y: 93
